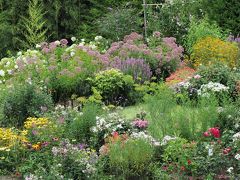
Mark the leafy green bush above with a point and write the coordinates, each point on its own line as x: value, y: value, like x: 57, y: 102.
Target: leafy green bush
x: 218, y: 73
x: 113, y: 86
x: 22, y: 101
x: 80, y: 127
x: 200, y: 29
x: 173, y: 17
x: 131, y: 158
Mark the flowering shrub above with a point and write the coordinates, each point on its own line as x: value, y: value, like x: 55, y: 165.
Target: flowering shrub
x: 82, y: 160
x: 163, y: 54
x: 210, y: 50
x: 215, y: 132
x: 211, y: 87
x: 22, y: 101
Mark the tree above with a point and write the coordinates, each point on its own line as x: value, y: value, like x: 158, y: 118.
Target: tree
x: 33, y: 26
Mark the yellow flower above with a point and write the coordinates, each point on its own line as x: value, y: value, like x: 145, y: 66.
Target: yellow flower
x: 210, y: 50
x: 36, y: 146
x: 36, y: 122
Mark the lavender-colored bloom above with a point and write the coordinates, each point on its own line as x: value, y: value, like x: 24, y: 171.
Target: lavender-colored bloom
x: 136, y: 67
x: 64, y: 42
x: 44, y: 45
x: 46, y: 50
x: 52, y: 46
x: 157, y: 34
x: 34, y: 132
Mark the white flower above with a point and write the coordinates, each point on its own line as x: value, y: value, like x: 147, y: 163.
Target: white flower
x: 237, y: 156
x: 38, y: 46
x: 230, y: 169
x: 2, y: 73
x: 93, y: 46
x: 82, y: 40
x: 57, y: 43
x: 82, y: 44
x: 166, y: 139
x: 210, y: 151
x: 211, y: 87
x: 72, y: 53
x: 73, y: 39
x: 10, y: 72
x: 97, y: 38
x: 19, y: 53
x: 7, y: 64
x: 236, y: 136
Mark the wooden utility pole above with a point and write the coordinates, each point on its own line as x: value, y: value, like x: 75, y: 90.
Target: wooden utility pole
x: 145, y: 16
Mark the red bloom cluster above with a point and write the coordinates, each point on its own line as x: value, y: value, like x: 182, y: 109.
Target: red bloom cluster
x: 226, y: 150
x: 215, y: 132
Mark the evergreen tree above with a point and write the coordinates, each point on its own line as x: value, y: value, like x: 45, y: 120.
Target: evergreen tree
x: 33, y: 26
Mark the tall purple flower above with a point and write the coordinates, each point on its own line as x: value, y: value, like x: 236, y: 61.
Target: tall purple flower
x: 140, y: 70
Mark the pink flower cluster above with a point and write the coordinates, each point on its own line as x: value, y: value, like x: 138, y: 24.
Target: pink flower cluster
x: 141, y: 124
x: 215, y: 132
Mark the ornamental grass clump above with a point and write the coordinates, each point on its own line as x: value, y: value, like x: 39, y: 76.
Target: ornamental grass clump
x: 212, y: 50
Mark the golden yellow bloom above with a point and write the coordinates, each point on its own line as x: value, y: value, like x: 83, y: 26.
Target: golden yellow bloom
x: 210, y: 50
x: 36, y: 122
x: 36, y: 146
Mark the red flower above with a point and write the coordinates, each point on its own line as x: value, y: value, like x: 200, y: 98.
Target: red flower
x: 189, y: 162
x: 183, y: 168
x: 215, y: 132
x: 206, y: 134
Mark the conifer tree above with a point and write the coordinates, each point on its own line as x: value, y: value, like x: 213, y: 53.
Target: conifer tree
x: 33, y: 25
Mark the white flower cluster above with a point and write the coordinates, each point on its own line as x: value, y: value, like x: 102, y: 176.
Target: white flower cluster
x: 211, y: 87
x: 184, y: 85
x: 166, y: 139
x: 145, y: 136
x: 112, y: 122
x: 236, y: 137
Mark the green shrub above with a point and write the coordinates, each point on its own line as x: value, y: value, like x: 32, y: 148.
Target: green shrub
x: 173, y: 17
x: 200, y: 29
x: 80, y: 127
x: 131, y: 158
x: 218, y: 73
x: 22, y: 101
x: 113, y: 86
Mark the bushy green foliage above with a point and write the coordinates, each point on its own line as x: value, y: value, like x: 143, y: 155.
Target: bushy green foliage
x: 173, y: 17
x: 225, y: 13
x: 130, y: 158
x: 80, y: 127
x: 200, y: 29
x: 114, y: 86
x: 23, y: 101
x: 218, y: 73
x: 119, y: 22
